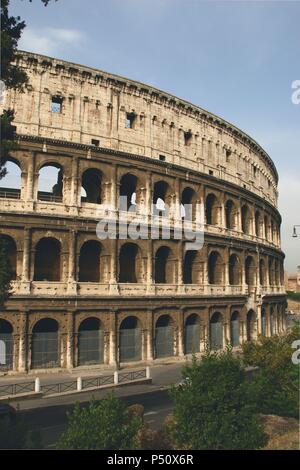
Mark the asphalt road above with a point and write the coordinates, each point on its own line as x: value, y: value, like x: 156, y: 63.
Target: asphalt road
x: 52, y: 421
x: 48, y: 415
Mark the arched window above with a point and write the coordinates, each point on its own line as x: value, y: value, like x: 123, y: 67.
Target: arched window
x: 235, y: 329
x: 262, y: 273
x: 215, y: 268
x: 45, y: 345
x: 250, y: 271
x: 192, y: 334
x: 163, y: 266
x: 91, y: 186
x: 90, y: 342
x: 211, y: 210
x: 189, y: 271
x: 216, y: 331
x: 263, y: 322
x: 130, y: 340
x: 89, y: 262
x: 47, y: 260
x: 10, y: 184
x: 129, y: 263
x: 10, y: 249
x: 50, y: 183
x: 230, y: 215
x: 160, y: 194
x: 6, y: 345
x: 234, y: 270
x: 250, y: 325
x: 128, y: 186
x: 245, y: 219
x: 188, y: 204
x: 164, y: 337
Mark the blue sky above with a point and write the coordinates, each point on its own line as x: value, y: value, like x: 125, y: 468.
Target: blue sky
x: 237, y: 59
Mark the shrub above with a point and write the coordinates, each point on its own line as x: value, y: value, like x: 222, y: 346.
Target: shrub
x: 106, y: 425
x: 213, y: 408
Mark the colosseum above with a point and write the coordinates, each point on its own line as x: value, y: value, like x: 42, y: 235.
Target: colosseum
x: 79, y: 301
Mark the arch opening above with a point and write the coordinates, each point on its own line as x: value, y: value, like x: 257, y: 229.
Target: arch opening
x: 215, y: 268
x: 90, y: 342
x: 130, y: 340
x: 11, y: 183
x: 91, y: 186
x: 164, y: 337
x: 47, y: 266
x: 89, y: 262
x: 216, y: 332
x: 129, y: 263
x: 192, y: 334
x: 211, y: 210
x: 45, y: 344
x: 6, y: 345
x: 50, y: 183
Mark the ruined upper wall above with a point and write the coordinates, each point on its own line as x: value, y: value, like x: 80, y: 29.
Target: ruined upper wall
x: 95, y: 109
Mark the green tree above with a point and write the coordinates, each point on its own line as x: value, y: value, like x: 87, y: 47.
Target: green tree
x: 107, y: 425
x: 276, y: 383
x: 213, y: 409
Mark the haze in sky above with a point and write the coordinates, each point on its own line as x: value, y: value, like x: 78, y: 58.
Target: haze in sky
x: 238, y: 59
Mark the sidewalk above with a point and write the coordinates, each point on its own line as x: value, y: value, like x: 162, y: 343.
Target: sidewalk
x: 163, y: 376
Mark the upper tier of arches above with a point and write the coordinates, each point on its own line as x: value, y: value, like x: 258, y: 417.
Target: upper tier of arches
x: 86, y: 106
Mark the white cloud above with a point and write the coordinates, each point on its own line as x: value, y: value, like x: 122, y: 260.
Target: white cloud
x: 50, y: 41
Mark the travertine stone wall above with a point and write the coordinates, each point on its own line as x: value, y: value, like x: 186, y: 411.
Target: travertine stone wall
x: 95, y: 105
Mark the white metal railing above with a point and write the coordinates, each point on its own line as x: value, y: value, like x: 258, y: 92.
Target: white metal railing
x: 78, y: 384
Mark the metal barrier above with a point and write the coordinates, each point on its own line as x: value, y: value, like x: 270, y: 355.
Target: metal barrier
x: 79, y: 384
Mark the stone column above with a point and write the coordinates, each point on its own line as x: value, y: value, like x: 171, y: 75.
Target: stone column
x: 30, y: 178
x: 149, y: 274
x: 149, y: 193
x: 180, y: 333
x: 150, y: 335
x: 25, y: 283
x: 113, y: 340
x: 70, y: 341
x: 114, y: 185
x: 113, y: 287
x: 72, y: 285
x: 22, y: 366
x: 180, y: 286
x: 75, y: 196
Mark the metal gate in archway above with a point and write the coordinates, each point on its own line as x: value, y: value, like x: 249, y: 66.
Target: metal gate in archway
x: 235, y: 330
x: 130, y: 344
x: 164, y: 338
x: 6, y: 351
x: 45, y: 345
x: 192, y: 336
x: 216, y: 333
x: 90, y: 347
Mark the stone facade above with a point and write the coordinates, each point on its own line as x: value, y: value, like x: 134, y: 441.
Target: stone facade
x: 112, y: 136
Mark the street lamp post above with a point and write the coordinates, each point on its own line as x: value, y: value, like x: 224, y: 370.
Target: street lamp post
x: 295, y: 235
